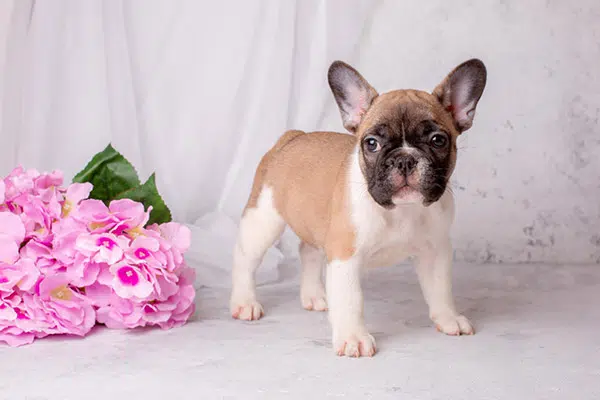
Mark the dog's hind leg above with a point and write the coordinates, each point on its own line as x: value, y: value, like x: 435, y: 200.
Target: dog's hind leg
x: 312, y: 292
x: 260, y: 226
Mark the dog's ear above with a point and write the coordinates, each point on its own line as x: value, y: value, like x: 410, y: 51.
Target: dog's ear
x: 352, y: 93
x: 461, y: 90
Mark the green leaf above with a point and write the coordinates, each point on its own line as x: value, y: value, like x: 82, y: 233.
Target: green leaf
x: 110, y: 173
x: 115, y: 178
x: 148, y: 195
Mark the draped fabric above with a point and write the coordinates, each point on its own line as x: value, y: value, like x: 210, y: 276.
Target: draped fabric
x: 197, y: 91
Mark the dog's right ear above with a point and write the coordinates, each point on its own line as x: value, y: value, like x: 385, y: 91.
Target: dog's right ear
x: 352, y: 93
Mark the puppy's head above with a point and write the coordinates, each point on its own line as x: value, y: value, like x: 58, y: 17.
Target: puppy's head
x: 407, y: 138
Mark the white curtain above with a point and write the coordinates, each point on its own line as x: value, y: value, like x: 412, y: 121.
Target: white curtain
x: 194, y: 90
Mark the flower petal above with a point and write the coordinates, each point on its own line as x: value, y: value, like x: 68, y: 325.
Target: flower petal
x: 16, y: 337
x: 12, y: 226
x: 146, y: 243
x: 179, y: 235
x: 78, y: 191
x: 126, y: 208
x: 2, y: 191
x: 50, y: 283
x: 93, y: 210
x: 9, y: 250
x: 31, y: 274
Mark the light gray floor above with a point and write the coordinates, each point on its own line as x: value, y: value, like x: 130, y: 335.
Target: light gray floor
x: 538, y: 338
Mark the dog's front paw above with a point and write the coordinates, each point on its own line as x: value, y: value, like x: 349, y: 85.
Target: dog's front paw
x: 354, y: 343
x: 454, y: 325
x: 247, y: 310
x: 313, y: 297
x: 316, y: 303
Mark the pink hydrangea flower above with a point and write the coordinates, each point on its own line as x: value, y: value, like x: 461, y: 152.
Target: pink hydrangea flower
x: 131, y: 215
x: 145, y: 249
x: 18, y: 323
x: 118, y: 217
x: 43, y: 256
x: 43, y: 182
x: 102, y: 248
x: 174, y: 241
x: 165, y: 283
x: 66, y: 231
x: 129, y: 281
x: 67, y: 262
x: 47, y: 189
x: 179, y: 305
x: 37, y: 218
x: 8, y: 301
x: 100, y: 294
x: 179, y: 236
x: 95, y: 215
x: 73, y: 195
x: 122, y: 314
x: 65, y: 309
x: 173, y: 312
x: 12, y: 234
x: 14, y: 337
x: 18, y: 182
x: 22, y: 275
x: 63, y: 255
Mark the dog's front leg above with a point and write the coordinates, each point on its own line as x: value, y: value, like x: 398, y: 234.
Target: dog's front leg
x: 345, y: 299
x: 434, y: 268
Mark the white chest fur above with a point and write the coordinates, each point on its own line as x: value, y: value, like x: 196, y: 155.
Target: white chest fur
x: 387, y: 237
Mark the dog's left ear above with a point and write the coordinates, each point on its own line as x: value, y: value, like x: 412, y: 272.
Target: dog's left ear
x: 461, y: 90
x: 352, y: 93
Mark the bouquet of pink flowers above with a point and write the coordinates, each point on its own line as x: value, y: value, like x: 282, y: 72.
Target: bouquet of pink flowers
x: 68, y: 261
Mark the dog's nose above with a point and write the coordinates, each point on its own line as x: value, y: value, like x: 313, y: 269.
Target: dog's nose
x: 406, y: 164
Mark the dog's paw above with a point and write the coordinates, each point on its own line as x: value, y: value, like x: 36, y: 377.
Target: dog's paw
x: 453, y: 325
x: 355, y: 343
x: 313, y: 297
x: 314, y: 303
x: 247, y: 310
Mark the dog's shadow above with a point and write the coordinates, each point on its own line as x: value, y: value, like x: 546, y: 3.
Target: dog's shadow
x: 486, y: 294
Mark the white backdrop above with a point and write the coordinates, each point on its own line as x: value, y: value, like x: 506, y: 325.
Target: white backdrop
x: 198, y: 90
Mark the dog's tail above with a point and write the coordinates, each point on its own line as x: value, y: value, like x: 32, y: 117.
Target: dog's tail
x: 286, y: 138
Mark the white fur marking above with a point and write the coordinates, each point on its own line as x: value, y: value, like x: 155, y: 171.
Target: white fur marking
x: 410, y: 149
x: 387, y: 237
x: 344, y: 294
x: 312, y: 292
x: 398, y: 233
x: 434, y: 270
x: 409, y: 196
x: 259, y: 229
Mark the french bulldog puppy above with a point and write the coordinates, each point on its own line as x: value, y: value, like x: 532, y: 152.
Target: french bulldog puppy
x: 374, y: 197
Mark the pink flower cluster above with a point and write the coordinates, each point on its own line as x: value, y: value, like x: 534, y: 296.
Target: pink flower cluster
x: 67, y: 262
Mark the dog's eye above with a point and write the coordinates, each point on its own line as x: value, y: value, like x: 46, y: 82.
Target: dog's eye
x: 438, y: 140
x: 372, y: 145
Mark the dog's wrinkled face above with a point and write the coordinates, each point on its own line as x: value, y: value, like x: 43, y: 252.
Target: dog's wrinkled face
x: 407, y: 147
x: 407, y: 138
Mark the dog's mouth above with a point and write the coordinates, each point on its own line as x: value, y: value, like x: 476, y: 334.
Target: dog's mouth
x: 394, y: 187
x: 407, y: 194
x: 405, y: 190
